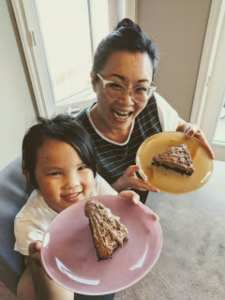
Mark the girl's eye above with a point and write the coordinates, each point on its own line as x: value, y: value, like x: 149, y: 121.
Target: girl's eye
x: 54, y: 173
x: 82, y: 168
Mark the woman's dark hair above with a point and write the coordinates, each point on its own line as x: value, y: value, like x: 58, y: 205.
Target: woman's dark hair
x: 63, y: 128
x: 126, y: 36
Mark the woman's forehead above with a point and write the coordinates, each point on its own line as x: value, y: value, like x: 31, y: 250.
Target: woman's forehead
x: 128, y: 64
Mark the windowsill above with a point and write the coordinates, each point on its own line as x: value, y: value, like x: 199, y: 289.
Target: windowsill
x: 219, y: 144
x: 74, y: 108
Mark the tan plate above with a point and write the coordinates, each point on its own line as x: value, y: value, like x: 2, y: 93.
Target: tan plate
x: 170, y: 181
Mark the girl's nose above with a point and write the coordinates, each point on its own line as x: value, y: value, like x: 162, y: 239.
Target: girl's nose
x: 71, y: 181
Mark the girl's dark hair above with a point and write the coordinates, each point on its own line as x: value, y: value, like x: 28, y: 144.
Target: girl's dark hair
x: 63, y: 128
x: 126, y: 36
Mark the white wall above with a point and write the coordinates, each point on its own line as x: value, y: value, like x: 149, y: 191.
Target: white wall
x: 178, y: 27
x: 17, y: 111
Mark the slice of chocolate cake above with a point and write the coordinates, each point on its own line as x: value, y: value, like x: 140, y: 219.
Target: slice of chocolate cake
x: 107, y: 231
x: 176, y: 158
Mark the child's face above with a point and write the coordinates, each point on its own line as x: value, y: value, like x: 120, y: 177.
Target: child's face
x: 62, y: 177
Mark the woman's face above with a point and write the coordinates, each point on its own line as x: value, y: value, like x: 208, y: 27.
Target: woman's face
x: 62, y: 177
x: 131, y: 70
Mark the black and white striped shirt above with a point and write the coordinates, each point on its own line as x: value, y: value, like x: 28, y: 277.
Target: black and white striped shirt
x: 114, y: 158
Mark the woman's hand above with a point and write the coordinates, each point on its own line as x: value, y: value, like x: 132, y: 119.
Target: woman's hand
x: 192, y: 130
x: 130, y: 180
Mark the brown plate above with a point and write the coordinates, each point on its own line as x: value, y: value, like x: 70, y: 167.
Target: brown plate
x: 167, y: 180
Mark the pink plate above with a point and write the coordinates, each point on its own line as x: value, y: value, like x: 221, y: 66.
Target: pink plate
x: 69, y: 256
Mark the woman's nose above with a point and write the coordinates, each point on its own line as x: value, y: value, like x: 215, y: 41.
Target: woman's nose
x: 127, y: 98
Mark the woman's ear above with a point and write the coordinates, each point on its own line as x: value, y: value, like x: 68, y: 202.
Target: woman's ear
x: 93, y: 76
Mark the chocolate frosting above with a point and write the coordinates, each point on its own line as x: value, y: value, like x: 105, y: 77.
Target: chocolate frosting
x: 177, y: 158
x: 107, y: 230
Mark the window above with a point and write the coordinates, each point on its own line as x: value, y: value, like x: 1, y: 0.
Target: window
x: 59, y: 39
x: 69, y: 54
x: 219, y: 137
x: 208, y: 106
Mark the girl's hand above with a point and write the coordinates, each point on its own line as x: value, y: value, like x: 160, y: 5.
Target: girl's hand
x: 34, y: 252
x: 35, y: 255
x: 131, y: 195
x: 45, y: 287
x: 192, y: 130
x: 130, y: 180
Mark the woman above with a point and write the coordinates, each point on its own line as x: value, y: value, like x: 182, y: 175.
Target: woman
x: 128, y: 110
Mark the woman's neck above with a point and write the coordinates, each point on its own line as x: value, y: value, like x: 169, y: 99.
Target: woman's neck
x: 115, y: 135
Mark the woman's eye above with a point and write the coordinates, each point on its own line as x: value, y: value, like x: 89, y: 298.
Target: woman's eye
x: 115, y: 86
x: 141, y: 89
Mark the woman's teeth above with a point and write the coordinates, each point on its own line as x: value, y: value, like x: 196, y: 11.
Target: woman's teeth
x: 121, y: 114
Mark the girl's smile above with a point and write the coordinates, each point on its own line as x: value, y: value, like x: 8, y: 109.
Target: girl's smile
x: 62, y: 177
x: 71, y: 197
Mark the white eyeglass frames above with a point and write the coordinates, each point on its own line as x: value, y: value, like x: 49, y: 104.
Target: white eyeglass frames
x: 116, y: 91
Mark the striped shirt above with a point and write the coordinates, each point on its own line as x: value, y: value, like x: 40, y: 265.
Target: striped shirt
x: 114, y: 158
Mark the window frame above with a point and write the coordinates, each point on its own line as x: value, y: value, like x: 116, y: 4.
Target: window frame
x: 203, y: 106
x: 34, y: 51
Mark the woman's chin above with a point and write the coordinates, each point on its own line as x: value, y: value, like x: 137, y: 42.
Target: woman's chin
x: 121, y: 122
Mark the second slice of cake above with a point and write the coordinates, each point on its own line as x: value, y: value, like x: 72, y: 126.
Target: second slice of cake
x: 176, y: 158
x: 107, y: 231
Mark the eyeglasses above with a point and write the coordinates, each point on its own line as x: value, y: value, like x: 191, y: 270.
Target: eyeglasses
x: 116, y: 91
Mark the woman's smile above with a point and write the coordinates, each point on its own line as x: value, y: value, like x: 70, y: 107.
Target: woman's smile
x: 121, y: 115
x: 130, y: 70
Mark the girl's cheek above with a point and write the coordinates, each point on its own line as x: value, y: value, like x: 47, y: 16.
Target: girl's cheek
x: 47, y: 188
x: 90, y: 179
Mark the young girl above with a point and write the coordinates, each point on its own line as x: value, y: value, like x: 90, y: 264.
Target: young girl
x: 59, y: 162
